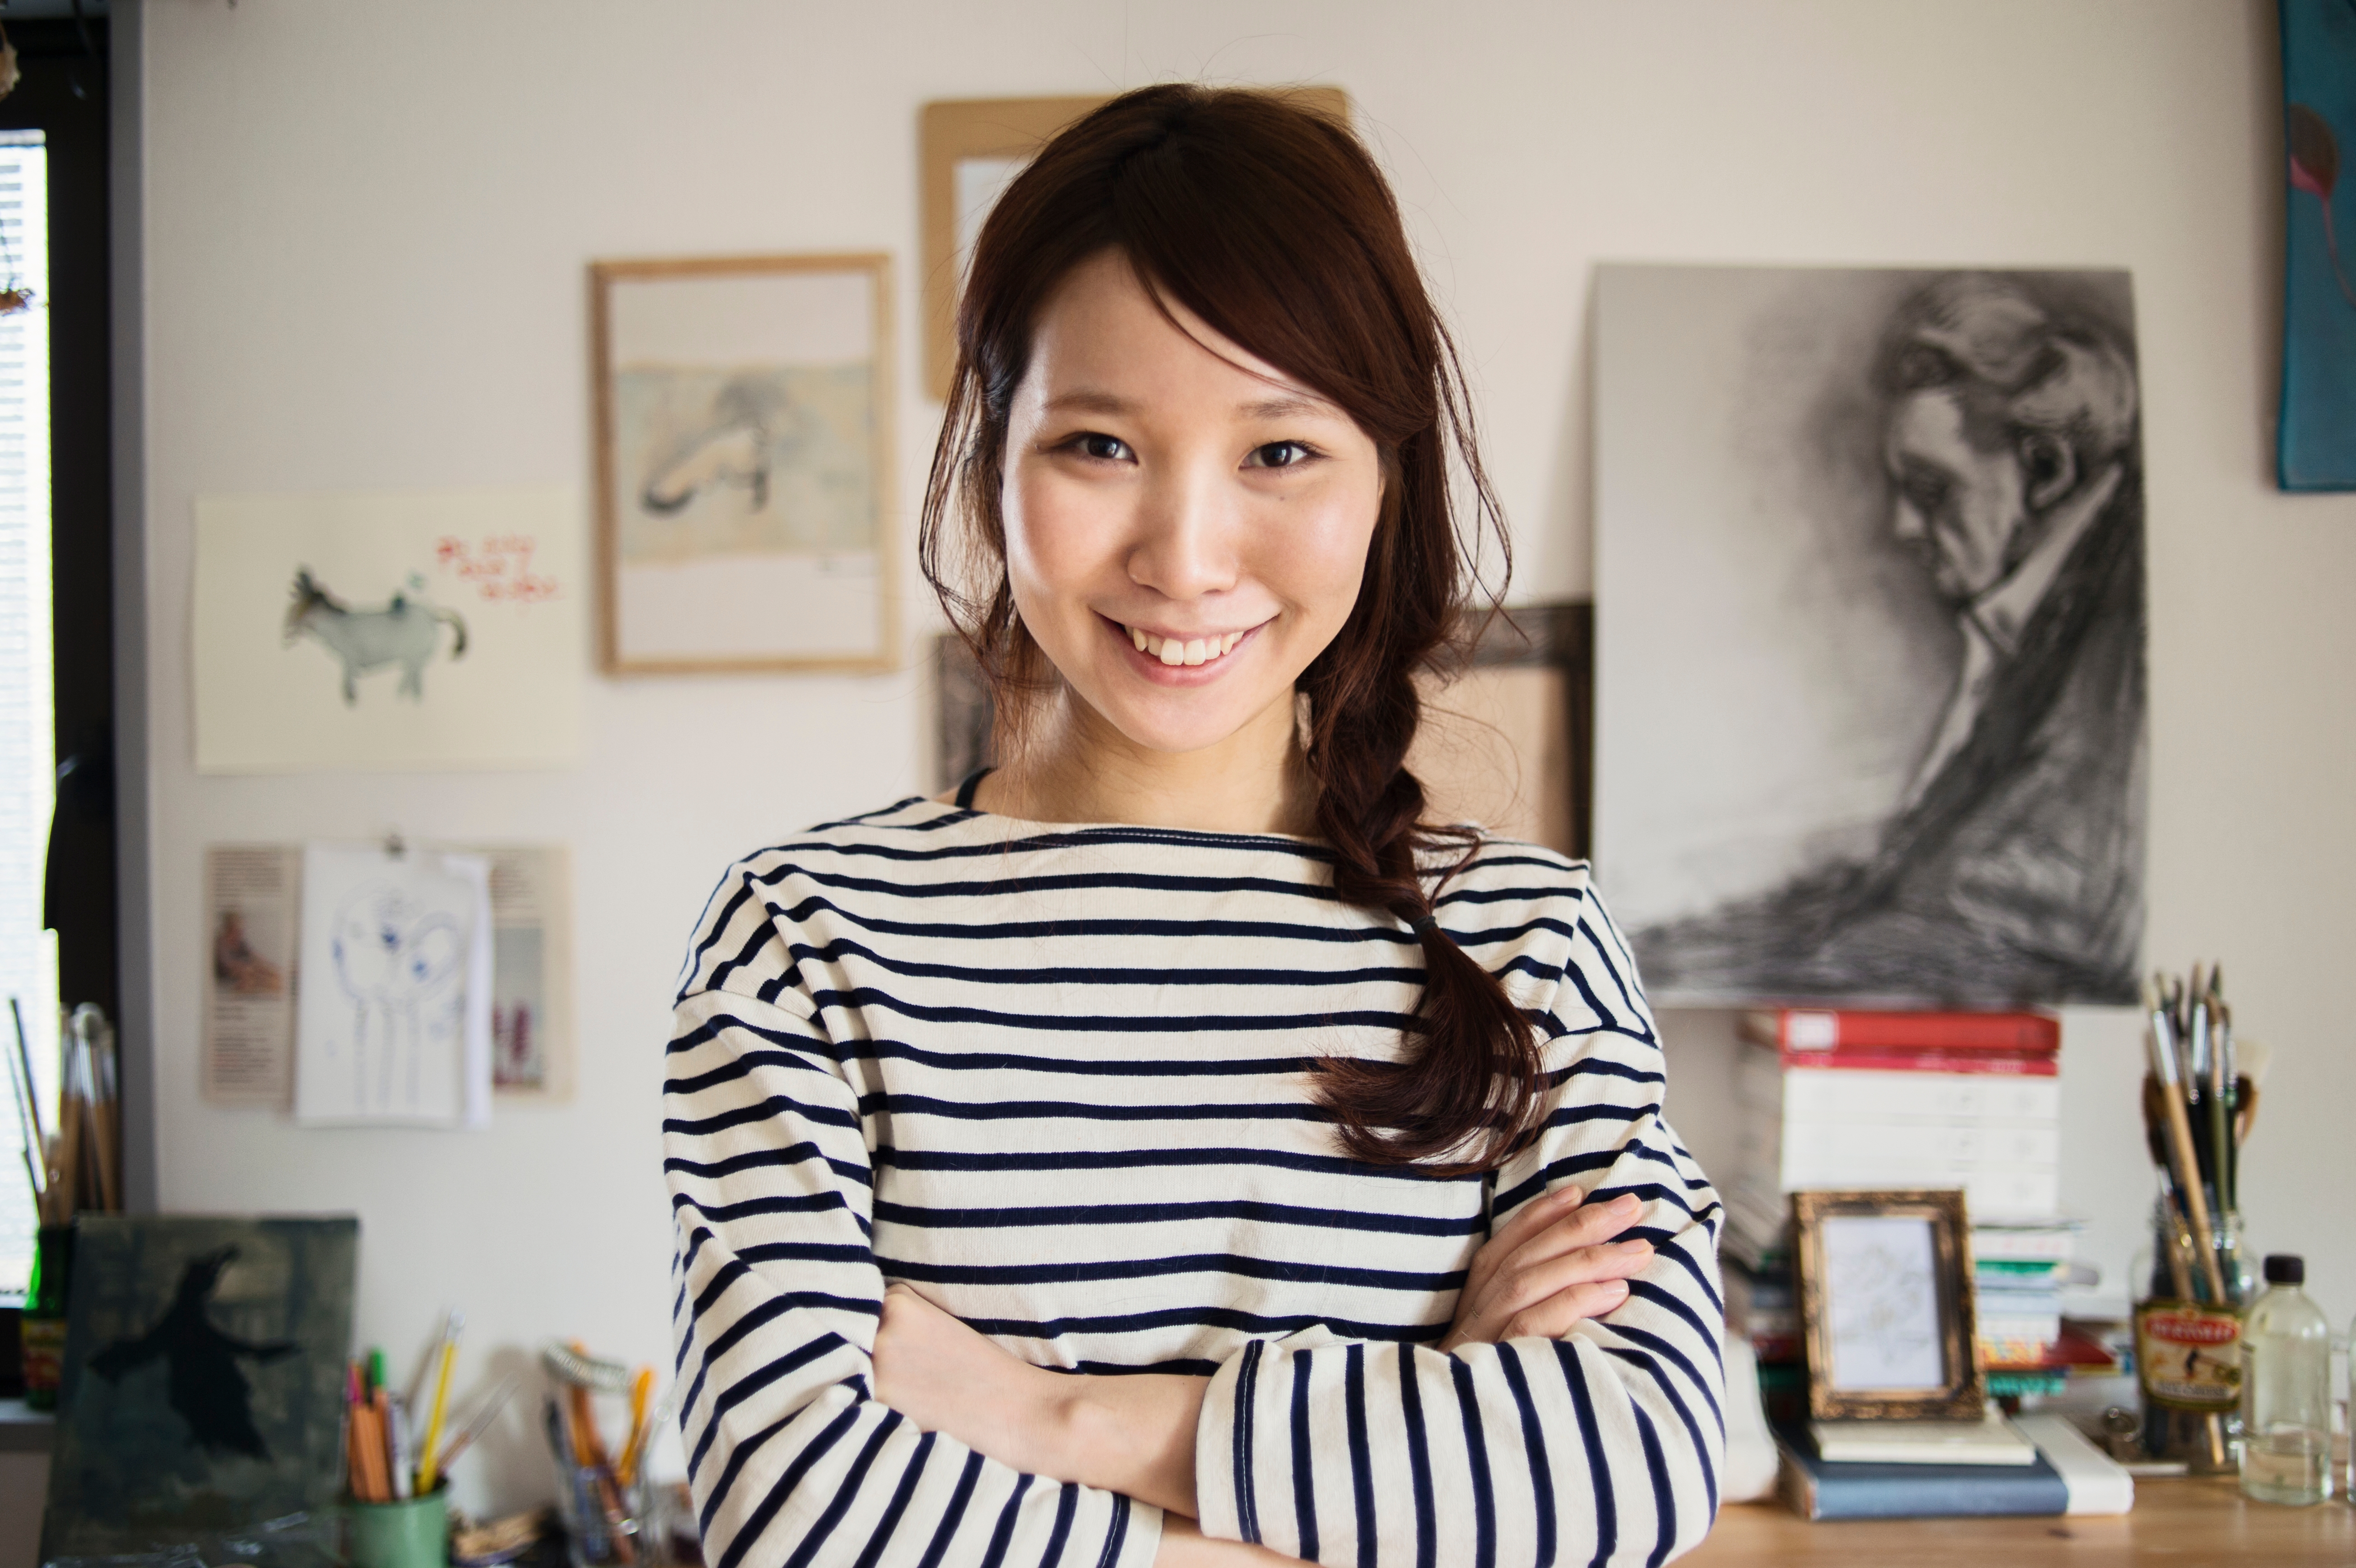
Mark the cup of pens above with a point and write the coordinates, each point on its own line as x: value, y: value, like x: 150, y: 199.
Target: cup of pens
x: 398, y: 1447
x: 609, y: 1508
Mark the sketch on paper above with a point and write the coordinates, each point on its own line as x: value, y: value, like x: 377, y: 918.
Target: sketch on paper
x: 406, y: 630
x: 428, y: 630
x: 724, y: 462
x: 1869, y: 608
x: 743, y: 430
x: 1881, y: 1304
x: 393, y: 1017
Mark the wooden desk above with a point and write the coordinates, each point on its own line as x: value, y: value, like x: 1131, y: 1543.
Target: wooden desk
x: 2180, y: 1523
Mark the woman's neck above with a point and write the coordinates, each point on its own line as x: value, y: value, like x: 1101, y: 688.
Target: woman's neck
x: 1075, y: 767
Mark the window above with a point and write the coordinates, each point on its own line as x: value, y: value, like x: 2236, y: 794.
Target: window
x: 28, y: 954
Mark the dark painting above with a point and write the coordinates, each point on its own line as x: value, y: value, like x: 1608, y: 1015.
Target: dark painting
x: 204, y: 1378
x: 1871, y: 633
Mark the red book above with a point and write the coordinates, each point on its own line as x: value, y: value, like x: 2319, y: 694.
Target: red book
x: 1800, y: 1029
x: 2018, y: 1064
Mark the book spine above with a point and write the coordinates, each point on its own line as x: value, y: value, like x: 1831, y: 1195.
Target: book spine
x: 1814, y: 1029
x: 1982, y: 1495
x: 2016, y: 1064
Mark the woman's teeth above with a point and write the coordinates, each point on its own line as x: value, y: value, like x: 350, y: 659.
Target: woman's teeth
x: 1172, y: 650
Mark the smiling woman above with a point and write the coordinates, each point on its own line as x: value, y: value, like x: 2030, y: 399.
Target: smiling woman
x: 1172, y: 1148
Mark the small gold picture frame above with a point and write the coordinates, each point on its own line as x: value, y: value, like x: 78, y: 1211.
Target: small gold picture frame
x: 1885, y: 1284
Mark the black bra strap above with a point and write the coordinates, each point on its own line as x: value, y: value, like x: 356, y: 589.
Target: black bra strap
x: 965, y: 791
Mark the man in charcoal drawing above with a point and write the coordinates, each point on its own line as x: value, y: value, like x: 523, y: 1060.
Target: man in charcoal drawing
x: 2012, y: 867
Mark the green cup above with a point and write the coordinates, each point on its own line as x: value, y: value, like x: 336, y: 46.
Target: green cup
x: 412, y: 1534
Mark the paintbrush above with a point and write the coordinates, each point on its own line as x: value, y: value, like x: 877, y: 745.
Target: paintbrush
x: 2179, y: 1142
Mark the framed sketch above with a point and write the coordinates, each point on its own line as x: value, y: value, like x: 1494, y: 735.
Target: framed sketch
x: 743, y: 452
x: 1504, y: 741
x: 971, y: 148
x: 1869, y: 622
x: 1886, y: 1305
x: 2315, y: 438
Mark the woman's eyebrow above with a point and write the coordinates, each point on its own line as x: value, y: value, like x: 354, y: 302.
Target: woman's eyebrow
x: 1285, y: 405
x: 1090, y: 399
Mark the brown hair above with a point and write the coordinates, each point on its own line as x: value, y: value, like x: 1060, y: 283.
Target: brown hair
x: 1272, y: 224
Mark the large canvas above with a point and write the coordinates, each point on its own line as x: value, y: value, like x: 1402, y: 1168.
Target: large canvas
x: 204, y: 1374
x: 2316, y: 436
x: 1871, y: 633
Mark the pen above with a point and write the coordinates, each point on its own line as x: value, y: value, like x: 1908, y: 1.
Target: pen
x: 428, y: 1463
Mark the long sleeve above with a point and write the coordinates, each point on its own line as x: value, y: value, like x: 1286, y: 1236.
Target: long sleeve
x: 792, y: 1461
x: 1603, y: 1448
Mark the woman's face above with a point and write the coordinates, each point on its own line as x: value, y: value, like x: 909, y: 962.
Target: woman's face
x: 1183, y: 535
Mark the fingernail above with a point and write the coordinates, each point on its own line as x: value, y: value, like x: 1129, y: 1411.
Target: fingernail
x: 1627, y: 1203
x: 1635, y: 1246
x: 1572, y: 1196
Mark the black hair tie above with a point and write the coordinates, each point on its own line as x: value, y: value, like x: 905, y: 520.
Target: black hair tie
x: 1423, y: 925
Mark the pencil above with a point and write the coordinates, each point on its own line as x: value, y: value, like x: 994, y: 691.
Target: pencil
x: 428, y: 1457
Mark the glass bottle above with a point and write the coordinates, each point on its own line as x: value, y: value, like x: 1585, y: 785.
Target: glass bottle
x: 42, y: 1327
x: 2287, y: 1391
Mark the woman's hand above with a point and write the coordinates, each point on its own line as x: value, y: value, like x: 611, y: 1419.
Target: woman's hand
x: 1554, y: 1265
x: 1132, y: 1434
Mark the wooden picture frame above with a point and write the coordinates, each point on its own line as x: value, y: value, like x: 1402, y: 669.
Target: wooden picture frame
x: 969, y: 147
x: 743, y: 419
x: 1886, y: 1310
x: 1519, y: 705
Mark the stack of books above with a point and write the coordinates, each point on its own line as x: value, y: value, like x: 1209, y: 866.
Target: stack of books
x: 1900, y: 1470
x: 1849, y: 1100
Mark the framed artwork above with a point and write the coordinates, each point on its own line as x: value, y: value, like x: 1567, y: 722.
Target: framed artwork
x: 2314, y: 437
x: 1886, y: 1305
x: 971, y: 148
x: 1870, y: 716
x: 743, y: 452
x: 1504, y: 741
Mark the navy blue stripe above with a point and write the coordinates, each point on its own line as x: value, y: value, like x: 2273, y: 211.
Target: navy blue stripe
x: 1304, y: 1462
x: 1362, y: 1462
x: 1247, y: 1388
x: 1062, y: 975
x: 1003, y: 1536
x: 757, y: 1520
x: 1600, y: 1481
x: 1476, y: 1451
x: 1271, y: 1324
x: 1418, y: 1459
x: 914, y: 1473
x: 1115, y: 1533
x: 1066, y: 1504
x: 1685, y: 1416
x: 1142, y: 1159
x: 1534, y: 1444
x: 954, y: 1515
x: 755, y: 1381
x: 1099, y: 1214
x: 1235, y: 1266
x: 1645, y: 1289
x: 825, y: 1524
x: 1664, y: 1496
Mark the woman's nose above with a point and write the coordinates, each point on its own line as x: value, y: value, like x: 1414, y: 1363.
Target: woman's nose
x: 1184, y: 544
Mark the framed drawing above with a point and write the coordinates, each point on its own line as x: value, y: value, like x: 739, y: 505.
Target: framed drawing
x: 2315, y: 438
x: 970, y: 149
x: 1886, y: 1305
x: 743, y: 452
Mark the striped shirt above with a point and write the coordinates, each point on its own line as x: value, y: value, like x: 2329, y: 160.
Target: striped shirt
x: 1057, y: 1079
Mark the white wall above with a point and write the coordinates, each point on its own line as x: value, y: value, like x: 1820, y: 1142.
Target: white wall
x: 365, y: 228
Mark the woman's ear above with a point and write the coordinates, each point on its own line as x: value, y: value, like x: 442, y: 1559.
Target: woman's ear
x: 2048, y: 464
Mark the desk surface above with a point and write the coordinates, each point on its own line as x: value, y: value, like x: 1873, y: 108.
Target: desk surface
x: 2181, y: 1524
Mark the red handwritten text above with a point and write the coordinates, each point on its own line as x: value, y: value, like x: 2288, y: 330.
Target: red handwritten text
x: 499, y: 565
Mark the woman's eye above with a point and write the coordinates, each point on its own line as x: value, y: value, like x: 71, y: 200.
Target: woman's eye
x: 1279, y: 455
x: 1106, y: 448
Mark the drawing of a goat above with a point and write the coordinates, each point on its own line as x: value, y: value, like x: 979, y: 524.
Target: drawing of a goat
x: 404, y: 632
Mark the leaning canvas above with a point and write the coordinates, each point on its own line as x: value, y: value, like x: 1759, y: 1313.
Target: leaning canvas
x: 203, y: 1379
x: 1870, y: 618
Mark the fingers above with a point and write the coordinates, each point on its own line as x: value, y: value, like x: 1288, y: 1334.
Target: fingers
x: 1565, y: 1310
x: 1528, y: 1220
x: 1522, y: 1286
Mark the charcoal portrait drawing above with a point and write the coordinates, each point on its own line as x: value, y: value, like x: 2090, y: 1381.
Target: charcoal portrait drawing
x: 1922, y: 738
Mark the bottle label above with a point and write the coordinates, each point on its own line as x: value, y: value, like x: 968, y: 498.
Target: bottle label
x: 44, y: 1341
x: 2189, y: 1356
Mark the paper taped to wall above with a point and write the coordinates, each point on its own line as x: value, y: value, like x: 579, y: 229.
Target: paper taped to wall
x: 393, y: 1022
x: 249, y: 1021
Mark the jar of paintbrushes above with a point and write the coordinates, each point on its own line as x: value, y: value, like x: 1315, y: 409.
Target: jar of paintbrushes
x: 2198, y: 1103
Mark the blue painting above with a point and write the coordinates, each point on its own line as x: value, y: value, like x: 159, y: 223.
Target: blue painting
x: 2315, y: 435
